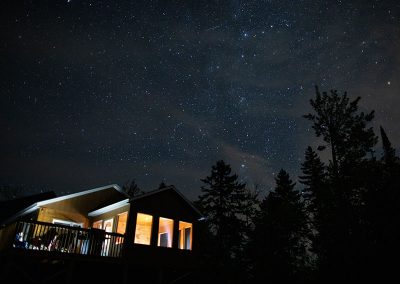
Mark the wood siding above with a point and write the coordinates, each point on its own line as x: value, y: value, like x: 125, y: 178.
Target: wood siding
x: 48, y: 214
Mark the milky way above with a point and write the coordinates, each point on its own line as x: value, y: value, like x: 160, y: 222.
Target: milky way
x: 100, y: 92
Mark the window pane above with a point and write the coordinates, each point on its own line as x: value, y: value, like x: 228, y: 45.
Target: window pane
x: 165, y: 230
x: 185, y: 235
x: 121, y: 227
x: 98, y: 224
x: 108, y: 225
x: 143, y: 229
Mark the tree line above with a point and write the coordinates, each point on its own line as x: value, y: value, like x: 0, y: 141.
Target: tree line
x: 341, y: 223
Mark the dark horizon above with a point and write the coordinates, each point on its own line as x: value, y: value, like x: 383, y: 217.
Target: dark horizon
x: 102, y: 92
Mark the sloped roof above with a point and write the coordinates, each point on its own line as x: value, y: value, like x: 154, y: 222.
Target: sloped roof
x: 73, y: 195
x: 124, y: 202
x: 52, y: 201
x: 11, y: 207
x: 171, y: 187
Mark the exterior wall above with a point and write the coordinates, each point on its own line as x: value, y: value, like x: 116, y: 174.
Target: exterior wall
x: 48, y: 214
x: 167, y: 204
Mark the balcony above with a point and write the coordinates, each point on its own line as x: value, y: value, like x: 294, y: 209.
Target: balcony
x: 49, y: 237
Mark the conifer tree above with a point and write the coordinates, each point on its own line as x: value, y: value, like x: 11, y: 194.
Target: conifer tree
x: 222, y: 202
x: 317, y: 197
x: 278, y: 245
x: 314, y: 177
x: 389, y: 153
x: 383, y: 209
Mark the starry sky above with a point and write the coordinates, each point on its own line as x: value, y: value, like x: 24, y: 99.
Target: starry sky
x: 101, y: 92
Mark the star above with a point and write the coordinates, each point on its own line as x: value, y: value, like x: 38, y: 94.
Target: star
x: 166, y: 86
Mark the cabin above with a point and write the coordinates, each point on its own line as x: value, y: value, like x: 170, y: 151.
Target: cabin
x: 102, y: 234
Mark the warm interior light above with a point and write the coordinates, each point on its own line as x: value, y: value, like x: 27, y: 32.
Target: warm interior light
x: 121, y: 227
x: 98, y: 224
x: 108, y: 225
x: 143, y: 229
x: 185, y: 235
x: 165, y: 232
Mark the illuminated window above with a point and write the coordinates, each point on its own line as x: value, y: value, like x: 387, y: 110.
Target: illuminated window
x: 143, y: 229
x: 108, y: 225
x: 98, y: 224
x: 165, y: 230
x: 121, y: 226
x: 185, y: 235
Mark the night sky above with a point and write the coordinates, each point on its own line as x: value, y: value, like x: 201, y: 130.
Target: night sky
x: 101, y: 92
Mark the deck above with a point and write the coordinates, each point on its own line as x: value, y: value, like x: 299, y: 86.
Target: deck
x: 34, y: 235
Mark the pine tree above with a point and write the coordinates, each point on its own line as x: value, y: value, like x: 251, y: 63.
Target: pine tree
x: 221, y: 200
x: 318, y: 198
x: 278, y: 245
x: 383, y: 211
x: 314, y: 177
x: 389, y: 153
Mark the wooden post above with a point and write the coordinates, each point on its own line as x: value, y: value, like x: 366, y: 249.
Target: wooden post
x: 154, y: 231
x: 129, y: 232
x: 175, y: 235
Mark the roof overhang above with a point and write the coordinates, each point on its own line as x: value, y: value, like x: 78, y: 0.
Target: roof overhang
x: 39, y: 204
x: 73, y: 195
x: 109, y: 208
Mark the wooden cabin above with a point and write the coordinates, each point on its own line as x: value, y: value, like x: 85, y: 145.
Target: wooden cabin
x: 137, y: 237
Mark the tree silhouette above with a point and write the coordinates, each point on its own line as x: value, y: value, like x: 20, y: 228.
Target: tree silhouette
x: 382, y: 211
x: 162, y: 185
x: 389, y: 153
x: 342, y: 242
x: 132, y: 189
x: 337, y: 120
x: 314, y: 176
x: 318, y: 197
x: 278, y: 246
x: 223, y: 202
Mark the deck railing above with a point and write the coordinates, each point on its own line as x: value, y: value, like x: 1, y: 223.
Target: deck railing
x: 42, y: 236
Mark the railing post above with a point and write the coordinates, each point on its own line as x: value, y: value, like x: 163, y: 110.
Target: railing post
x: 41, y: 236
x: 154, y: 232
